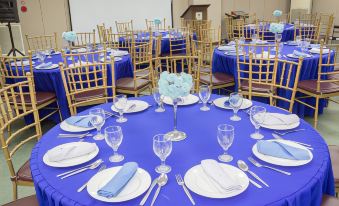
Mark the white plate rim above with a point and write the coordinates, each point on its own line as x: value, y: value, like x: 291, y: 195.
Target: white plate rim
x: 53, y: 66
x: 223, y: 99
x: 281, y: 161
x: 281, y: 126
x: 168, y: 101
x: 296, y: 57
x: 143, y: 106
x: 65, y: 126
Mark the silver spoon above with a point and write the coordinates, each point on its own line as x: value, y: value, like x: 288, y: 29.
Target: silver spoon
x: 162, y: 180
x: 243, y: 166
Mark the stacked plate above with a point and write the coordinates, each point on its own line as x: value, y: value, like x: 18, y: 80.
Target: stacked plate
x: 220, y: 102
x: 130, y: 108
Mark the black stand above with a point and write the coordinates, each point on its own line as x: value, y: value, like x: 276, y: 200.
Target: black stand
x: 13, y: 49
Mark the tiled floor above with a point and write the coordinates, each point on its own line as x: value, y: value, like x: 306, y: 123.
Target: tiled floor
x: 327, y: 127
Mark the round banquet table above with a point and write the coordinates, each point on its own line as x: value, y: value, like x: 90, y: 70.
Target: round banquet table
x: 309, y: 70
x: 304, y: 187
x: 287, y: 35
x: 50, y: 80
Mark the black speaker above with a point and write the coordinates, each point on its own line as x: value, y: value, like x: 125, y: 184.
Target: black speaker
x: 8, y: 11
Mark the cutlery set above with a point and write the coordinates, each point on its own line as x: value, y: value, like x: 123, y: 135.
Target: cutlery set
x: 91, y: 166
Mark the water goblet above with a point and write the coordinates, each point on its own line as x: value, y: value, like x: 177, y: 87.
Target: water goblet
x: 48, y: 53
x: 41, y: 56
x: 204, y: 94
x: 225, y: 136
x: 235, y: 100
x: 162, y: 147
x: 158, y: 99
x: 257, y: 117
x: 113, y: 137
x: 120, y: 102
x: 97, y: 120
x: 298, y: 41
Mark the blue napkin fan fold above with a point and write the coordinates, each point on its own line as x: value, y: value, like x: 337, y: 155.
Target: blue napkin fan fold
x: 84, y: 121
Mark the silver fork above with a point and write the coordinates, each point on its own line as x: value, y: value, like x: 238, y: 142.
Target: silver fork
x: 68, y: 172
x: 75, y: 135
x: 287, y: 132
x: 257, y: 164
x: 84, y: 186
x: 92, y: 167
x: 181, y: 182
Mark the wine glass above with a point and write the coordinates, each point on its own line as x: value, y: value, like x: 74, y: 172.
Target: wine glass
x: 235, y: 100
x: 162, y: 147
x: 278, y: 37
x: 97, y: 120
x: 254, y: 38
x: 41, y: 56
x: 204, y: 94
x: 307, y: 43
x: 48, y: 53
x: 158, y: 99
x: 120, y: 102
x: 113, y: 137
x: 298, y: 41
x: 257, y: 117
x: 225, y: 136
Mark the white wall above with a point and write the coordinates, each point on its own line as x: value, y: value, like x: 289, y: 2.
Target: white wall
x: 302, y: 4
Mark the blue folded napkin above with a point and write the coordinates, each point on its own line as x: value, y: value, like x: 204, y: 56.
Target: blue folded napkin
x: 44, y: 65
x: 299, y: 54
x: 119, y: 181
x: 84, y: 121
x: 280, y: 150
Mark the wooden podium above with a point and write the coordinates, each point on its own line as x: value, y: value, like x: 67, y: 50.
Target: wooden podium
x: 190, y: 12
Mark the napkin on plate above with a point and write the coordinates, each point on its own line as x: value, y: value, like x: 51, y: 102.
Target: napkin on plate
x: 119, y: 181
x: 281, y: 150
x: 68, y: 152
x: 219, y: 176
x: 44, y: 65
x: 79, y: 121
x: 272, y: 119
x: 226, y: 48
x: 317, y: 50
x: 299, y: 54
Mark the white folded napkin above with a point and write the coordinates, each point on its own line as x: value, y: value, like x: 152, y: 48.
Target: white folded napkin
x: 226, y: 48
x: 219, y: 176
x: 317, y: 50
x: 280, y: 119
x: 68, y: 152
x: 118, y: 53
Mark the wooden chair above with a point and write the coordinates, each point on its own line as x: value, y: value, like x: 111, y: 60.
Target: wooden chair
x: 120, y: 41
x: 326, y: 26
x: 334, y: 152
x: 85, y: 38
x: 326, y: 84
x: 142, y: 70
x: 229, y: 28
x: 13, y: 71
x: 13, y: 101
x: 86, y: 82
x: 335, y: 34
x: 43, y: 42
x: 211, y: 35
x: 123, y: 27
x: 101, y: 33
x: 296, y: 14
x: 26, y: 201
x: 250, y: 19
x: 264, y: 31
x: 151, y: 25
x: 240, y: 29
x: 179, y: 43
x: 307, y: 28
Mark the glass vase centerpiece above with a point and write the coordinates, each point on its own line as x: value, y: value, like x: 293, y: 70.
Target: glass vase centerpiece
x: 277, y: 29
x: 69, y: 37
x: 175, y: 86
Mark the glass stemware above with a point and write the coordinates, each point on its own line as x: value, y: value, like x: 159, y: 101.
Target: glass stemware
x: 158, y: 99
x: 298, y: 41
x: 225, y: 136
x: 204, y: 94
x: 257, y: 117
x: 162, y: 147
x: 48, y: 53
x: 97, y: 120
x: 89, y: 47
x: 113, y: 137
x: 120, y: 102
x: 235, y: 100
x: 41, y: 56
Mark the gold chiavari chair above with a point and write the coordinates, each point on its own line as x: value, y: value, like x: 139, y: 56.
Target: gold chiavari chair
x: 179, y: 43
x: 151, y: 25
x: 123, y: 27
x: 142, y: 70
x: 334, y: 153
x: 264, y: 31
x: 326, y: 26
x: 13, y: 69
x: 43, y: 42
x: 211, y: 35
x: 250, y: 19
x: 13, y: 101
x: 85, y: 38
x: 296, y: 14
x: 240, y: 29
x: 229, y: 28
x: 308, y: 28
x: 101, y: 32
x: 156, y: 53
x: 326, y: 84
x: 86, y: 83
x: 120, y: 41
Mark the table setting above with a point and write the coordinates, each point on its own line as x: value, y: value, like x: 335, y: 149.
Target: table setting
x: 209, y: 158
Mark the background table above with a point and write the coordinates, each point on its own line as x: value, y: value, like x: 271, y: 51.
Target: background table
x: 287, y: 35
x: 309, y: 70
x: 304, y: 187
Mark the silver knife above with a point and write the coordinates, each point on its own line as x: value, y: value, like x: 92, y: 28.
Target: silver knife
x: 254, y: 183
x: 143, y: 201
x: 156, y: 195
x: 258, y: 178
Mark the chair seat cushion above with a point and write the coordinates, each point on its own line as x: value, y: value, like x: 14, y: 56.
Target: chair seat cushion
x: 333, y: 76
x: 89, y: 94
x: 261, y: 88
x: 128, y: 83
x: 26, y: 201
x: 24, y: 173
x: 218, y: 78
x: 41, y: 98
x: 325, y: 87
x: 329, y: 201
x: 142, y: 73
x: 334, y: 152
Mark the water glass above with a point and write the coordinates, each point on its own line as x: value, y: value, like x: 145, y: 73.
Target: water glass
x: 113, y: 138
x: 298, y: 41
x: 158, y: 99
x: 257, y: 117
x: 235, y: 100
x: 254, y: 38
x: 48, y: 53
x: 278, y: 37
x: 97, y: 120
x: 41, y: 56
x: 120, y: 102
x: 225, y: 136
x: 204, y: 94
x: 162, y: 147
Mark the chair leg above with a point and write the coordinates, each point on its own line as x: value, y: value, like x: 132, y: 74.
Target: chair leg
x: 316, y: 112
x: 15, y: 191
x: 60, y: 115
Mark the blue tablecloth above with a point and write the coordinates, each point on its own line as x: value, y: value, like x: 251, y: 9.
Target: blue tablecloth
x: 51, y: 80
x: 287, y: 35
x: 309, y: 70
x: 304, y: 187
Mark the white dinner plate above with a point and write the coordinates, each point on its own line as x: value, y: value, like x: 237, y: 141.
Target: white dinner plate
x: 73, y: 161
x: 83, y: 63
x: 281, y: 126
x: 53, y: 66
x: 139, y: 106
x: 116, y: 59
x: 264, y: 56
x: 71, y: 128
x: 138, y: 184
x: 282, y: 161
x: 188, y: 100
x: 246, y: 103
x: 80, y: 50
x: 296, y: 57
x: 118, y: 53
x: 197, y: 181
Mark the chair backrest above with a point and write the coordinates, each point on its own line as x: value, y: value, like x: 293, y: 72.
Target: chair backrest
x: 264, y: 31
x: 13, y: 101
x: 85, y: 38
x: 123, y: 27
x: 142, y: 61
x: 87, y: 76
x: 102, y: 32
x: 150, y: 24
x: 240, y: 29
x: 121, y: 41
x: 211, y: 35
x: 43, y: 42
x: 326, y: 26
x: 179, y: 42
x: 229, y: 28
x: 308, y: 28
x: 250, y: 19
x: 296, y: 14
